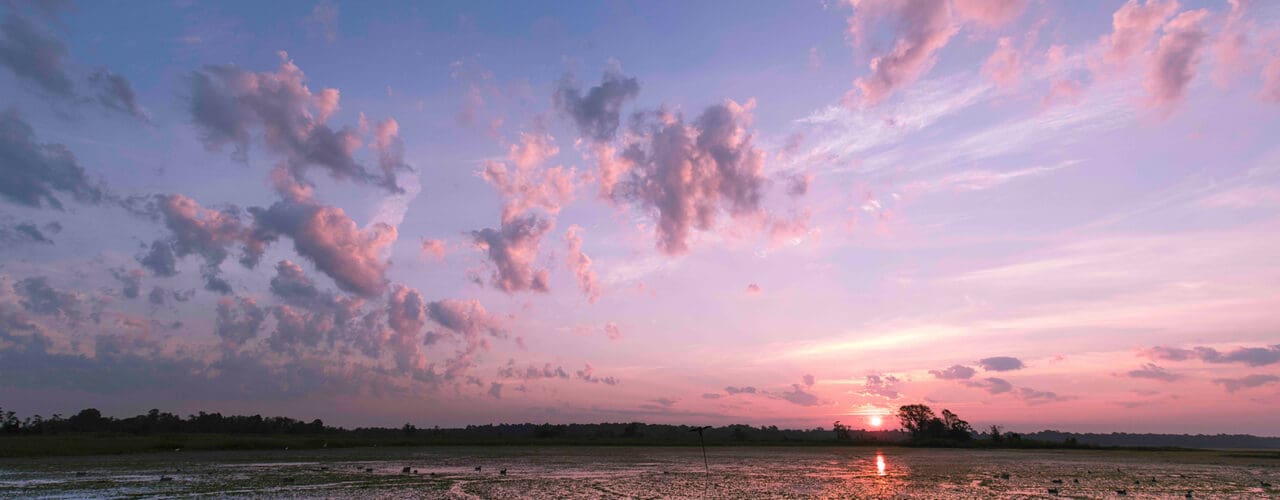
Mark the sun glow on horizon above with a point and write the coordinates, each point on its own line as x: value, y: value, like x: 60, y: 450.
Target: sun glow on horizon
x: 875, y: 420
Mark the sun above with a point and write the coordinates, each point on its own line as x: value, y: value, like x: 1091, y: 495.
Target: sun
x: 875, y: 421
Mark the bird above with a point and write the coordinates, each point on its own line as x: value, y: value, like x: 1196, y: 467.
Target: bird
x: 1122, y: 492
x: 1265, y: 484
x: 1056, y: 481
x: 1189, y: 495
x: 368, y: 469
x: 1004, y: 475
x: 1053, y: 491
x: 503, y: 472
x: 405, y: 470
x: 478, y: 468
x: 166, y: 478
x: 1077, y: 481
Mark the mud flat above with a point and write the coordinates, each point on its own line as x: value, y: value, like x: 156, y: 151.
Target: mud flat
x: 649, y: 472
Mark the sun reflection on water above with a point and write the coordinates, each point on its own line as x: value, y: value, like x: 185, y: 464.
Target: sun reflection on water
x: 879, y: 464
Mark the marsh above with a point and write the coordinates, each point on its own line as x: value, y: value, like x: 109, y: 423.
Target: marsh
x: 648, y: 472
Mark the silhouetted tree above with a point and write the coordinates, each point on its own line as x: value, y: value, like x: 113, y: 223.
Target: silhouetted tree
x: 915, y: 419
x: 842, y: 432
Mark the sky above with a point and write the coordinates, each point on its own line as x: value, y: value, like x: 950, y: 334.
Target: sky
x: 1036, y: 214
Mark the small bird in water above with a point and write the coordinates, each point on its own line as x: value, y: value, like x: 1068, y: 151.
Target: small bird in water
x: 478, y: 467
x: 1189, y: 495
x: 166, y: 478
x: 405, y: 470
x: 1056, y: 481
x: 1053, y: 491
x: 1122, y: 492
x: 1265, y: 484
x: 368, y: 469
x: 502, y: 472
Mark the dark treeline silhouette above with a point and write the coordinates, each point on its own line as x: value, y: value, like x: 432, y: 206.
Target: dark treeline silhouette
x: 156, y: 431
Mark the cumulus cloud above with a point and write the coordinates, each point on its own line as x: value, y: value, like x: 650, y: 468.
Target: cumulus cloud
x: 433, y: 249
x: 1001, y: 364
x: 1035, y: 397
x: 954, y: 372
x: 797, y: 395
x: 992, y: 385
x: 407, y: 315
x: 38, y: 296
x: 323, y: 21
x: 882, y: 386
x: 205, y: 232
x: 1271, y: 81
x: 1246, y: 382
x: 159, y: 259
x: 512, y: 249
x: 523, y: 181
x: 1231, y: 46
x: 114, y: 92
x: 130, y: 281
x: 350, y: 255
x: 1004, y: 66
x: 1153, y: 372
x: 587, y: 374
x: 740, y: 390
x: 35, y: 173
x: 923, y: 27
x: 470, y: 324
x: 596, y: 114
x: 1251, y: 356
x: 990, y: 12
x: 580, y: 264
x: 229, y: 104
x: 808, y: 380
x: 29, y: 232
x: 34, y: 56
x: 1132, y: 28
x: 688, y: 173
x: 238, y: 319
x: 612, y: 331
x: 1175, y: 60
x: 531, y: 372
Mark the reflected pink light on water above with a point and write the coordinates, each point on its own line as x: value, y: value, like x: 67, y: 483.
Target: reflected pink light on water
x: 879, y: 464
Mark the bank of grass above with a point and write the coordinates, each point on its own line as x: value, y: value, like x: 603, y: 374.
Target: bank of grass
x: 121, y: 444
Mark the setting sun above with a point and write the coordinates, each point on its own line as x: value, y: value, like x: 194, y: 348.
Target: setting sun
x: 876, y: 421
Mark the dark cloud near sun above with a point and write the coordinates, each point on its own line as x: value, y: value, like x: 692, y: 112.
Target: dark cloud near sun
x: 1001, y: 364
x: 1251, y: 356
x: 1153, y: 372
x: 954, y: 372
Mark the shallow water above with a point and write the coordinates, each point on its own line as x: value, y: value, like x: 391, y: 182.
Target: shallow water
x: 645, y: 472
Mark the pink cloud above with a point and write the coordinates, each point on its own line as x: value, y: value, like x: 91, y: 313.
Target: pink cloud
x: 512, y: 248
x: 753, y: 289
x: 1063, y: 91
x: 329, y: 238
x: 1174, y: 62
x: 1271, y: 81
x: 433, y: 249
x: 1133, y: 27
x: 580, y: 264
x: 1231, y: 47
x: 612, y: 331
x: 990, y: 12
x: 1004, y: 66
x: 688, y: 173
x: 924, y: 27
x: 406, y: 315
